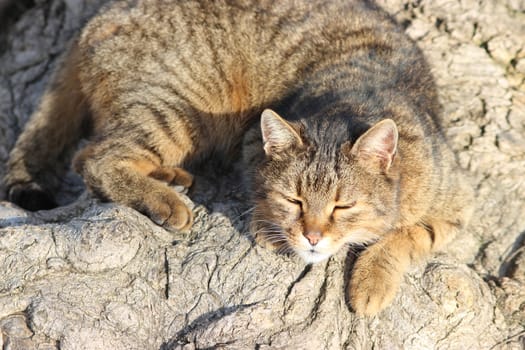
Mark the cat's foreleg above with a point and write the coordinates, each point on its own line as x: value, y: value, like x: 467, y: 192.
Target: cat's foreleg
x: 43, y: 151
x: 378, y: 272
x: 137, y: 180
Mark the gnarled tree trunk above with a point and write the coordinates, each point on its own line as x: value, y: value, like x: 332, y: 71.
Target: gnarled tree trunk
x: 101, y: 276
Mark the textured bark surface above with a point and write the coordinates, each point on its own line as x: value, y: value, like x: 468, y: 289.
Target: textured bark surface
x: 101, y: 276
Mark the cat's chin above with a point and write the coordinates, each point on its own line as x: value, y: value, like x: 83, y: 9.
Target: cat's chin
x: 312, y: 257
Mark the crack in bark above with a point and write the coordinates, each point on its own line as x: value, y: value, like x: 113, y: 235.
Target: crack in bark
x: 167, y: 272
x: 302, y: 275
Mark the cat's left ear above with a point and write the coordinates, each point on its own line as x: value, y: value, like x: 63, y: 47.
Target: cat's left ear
x: 378, y: 144
x: 277, y: 133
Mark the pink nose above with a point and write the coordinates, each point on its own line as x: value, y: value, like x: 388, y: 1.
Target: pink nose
x: 313, y: 237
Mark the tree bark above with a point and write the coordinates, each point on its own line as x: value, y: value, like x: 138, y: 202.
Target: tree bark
x: 91, y: 275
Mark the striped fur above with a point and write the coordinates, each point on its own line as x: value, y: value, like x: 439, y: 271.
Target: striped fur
x: 352, y: 154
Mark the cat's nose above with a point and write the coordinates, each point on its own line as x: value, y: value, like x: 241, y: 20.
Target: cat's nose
x: 313, y: 237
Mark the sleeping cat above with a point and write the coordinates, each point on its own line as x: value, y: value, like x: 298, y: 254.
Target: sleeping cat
x: 337, y: 107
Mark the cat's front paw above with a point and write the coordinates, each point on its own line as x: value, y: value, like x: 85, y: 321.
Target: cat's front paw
x: 374, y: 282
x: 167, y: 210
x: 30, y: 196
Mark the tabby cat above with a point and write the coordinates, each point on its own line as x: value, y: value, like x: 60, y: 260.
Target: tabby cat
x: 349, y: 148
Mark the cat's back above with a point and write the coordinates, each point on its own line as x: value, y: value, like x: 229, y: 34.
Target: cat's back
x: 227, y: 55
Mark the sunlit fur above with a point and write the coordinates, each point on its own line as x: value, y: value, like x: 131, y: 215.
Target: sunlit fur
x: 159, y: 84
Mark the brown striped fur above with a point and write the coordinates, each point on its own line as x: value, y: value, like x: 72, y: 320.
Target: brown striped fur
x: 353, y: 153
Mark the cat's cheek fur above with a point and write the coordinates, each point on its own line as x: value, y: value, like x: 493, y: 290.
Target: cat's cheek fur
x: 361, y: 237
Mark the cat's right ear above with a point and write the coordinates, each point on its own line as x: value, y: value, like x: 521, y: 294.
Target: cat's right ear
x: 277, y: 133
x: 378, y: 145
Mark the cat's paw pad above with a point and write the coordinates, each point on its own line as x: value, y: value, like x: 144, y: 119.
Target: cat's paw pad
x: 31, y: 197
x: 373, y: 285
x: 167, y: 210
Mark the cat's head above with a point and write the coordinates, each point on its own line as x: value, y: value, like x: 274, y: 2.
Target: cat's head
x: 312, y: 200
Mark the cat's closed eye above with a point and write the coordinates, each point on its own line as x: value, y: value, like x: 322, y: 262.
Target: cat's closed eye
x: 295, y: 201
x: 344, y: 206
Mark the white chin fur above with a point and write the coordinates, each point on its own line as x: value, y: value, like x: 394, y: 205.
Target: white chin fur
x: 312, y: 257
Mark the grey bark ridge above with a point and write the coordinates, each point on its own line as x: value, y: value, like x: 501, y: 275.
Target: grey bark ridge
x: 93, y: 275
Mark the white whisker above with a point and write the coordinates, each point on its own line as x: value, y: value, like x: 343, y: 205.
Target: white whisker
x: 244, y: 213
